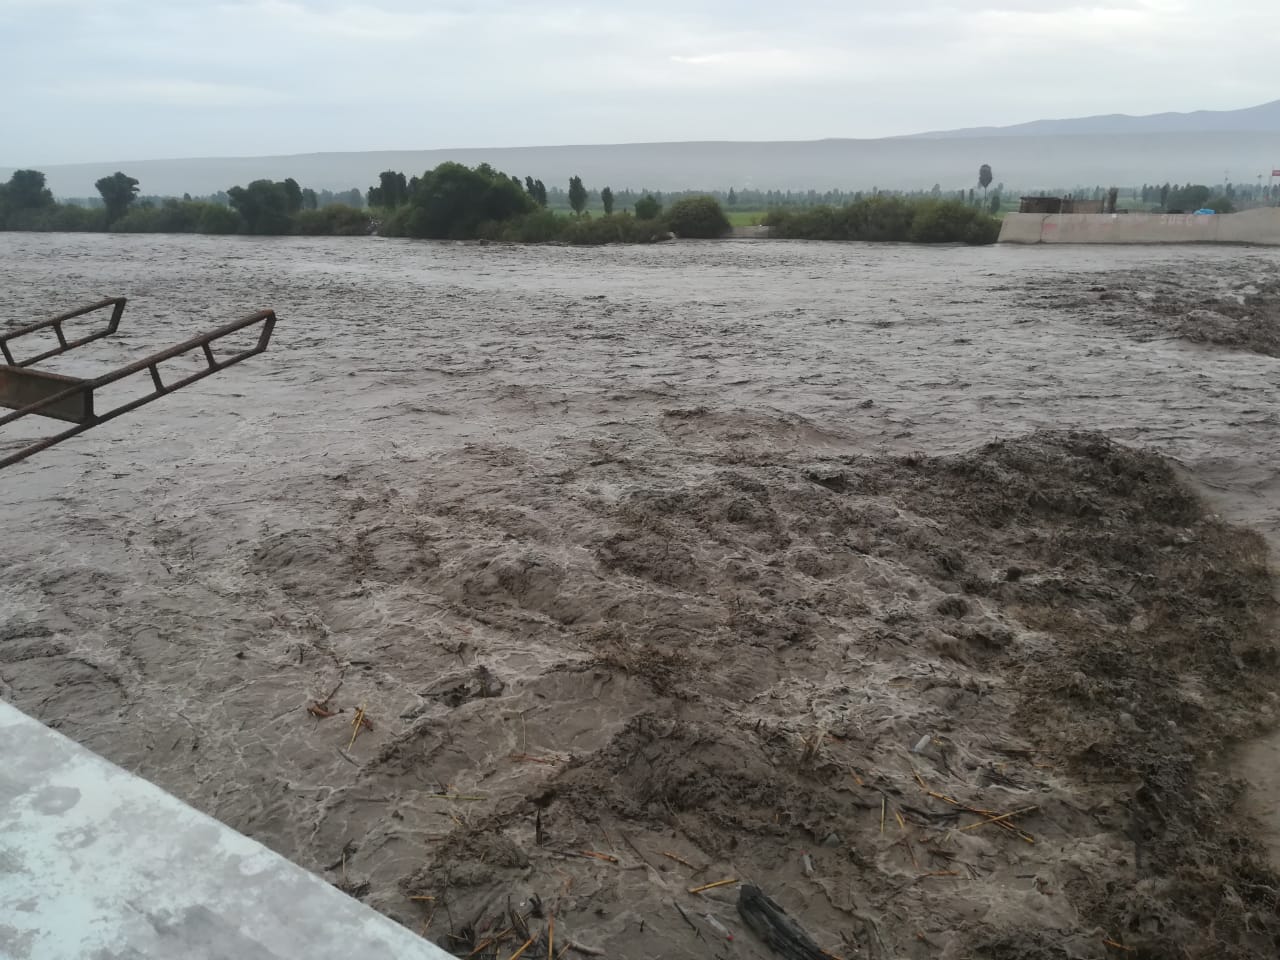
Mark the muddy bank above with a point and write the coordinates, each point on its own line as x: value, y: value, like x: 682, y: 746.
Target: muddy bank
x: 671, y: 557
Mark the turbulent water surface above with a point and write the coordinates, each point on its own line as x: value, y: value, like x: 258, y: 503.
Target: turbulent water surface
x: 440, y: 496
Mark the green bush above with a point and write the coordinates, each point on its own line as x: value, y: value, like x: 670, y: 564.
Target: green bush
x: 697, y: 218
x: 541, y: 226
x: 544, y: 226
x: 216, y: 219
x: 70, y: 218
x: 179, y: 216
x: 390, y: 223
x: 950, y: 221
x: 172, y: 216
x: 614, y: 228
x: 647, y: 208
x: 887, y: 218
x: 335, y: 220
x: 61, y: 218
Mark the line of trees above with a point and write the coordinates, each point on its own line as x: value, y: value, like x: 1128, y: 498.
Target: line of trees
x: 265, y: 207
x: 456, y: 202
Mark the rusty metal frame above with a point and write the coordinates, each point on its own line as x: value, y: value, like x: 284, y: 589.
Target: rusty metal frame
x: 85, y: 388
x: 8, y: 336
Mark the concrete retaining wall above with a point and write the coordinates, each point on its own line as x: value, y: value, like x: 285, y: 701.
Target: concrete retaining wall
x: 97, y: 862
x: 1252, y: 226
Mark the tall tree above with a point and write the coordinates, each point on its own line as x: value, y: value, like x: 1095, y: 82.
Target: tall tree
x: 452, y: 201
x: 264, y: 206
x: 292, y: 195
x: 118, y: 192
x: 577, y: 195
x: 541, y: 198
x: 732, y: 199
x: 392, y: 190
x: 606, y: 198
x: 26, y: 191
x: 984, y: 177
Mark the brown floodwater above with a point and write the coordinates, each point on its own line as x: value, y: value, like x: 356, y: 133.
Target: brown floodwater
x: 177, y: 586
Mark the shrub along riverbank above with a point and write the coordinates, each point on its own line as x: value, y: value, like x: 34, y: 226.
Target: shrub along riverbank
x: 455, y: 202
x: 888, y: 218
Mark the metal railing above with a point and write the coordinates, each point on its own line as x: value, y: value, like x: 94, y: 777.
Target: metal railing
x: 72, y: 398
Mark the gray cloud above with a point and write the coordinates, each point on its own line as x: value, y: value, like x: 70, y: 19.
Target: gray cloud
x: 126, y: 79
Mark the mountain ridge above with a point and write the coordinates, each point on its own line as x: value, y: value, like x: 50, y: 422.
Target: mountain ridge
x: 1262, y: 118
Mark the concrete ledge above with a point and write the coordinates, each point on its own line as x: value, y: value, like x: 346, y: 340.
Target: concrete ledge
x: 1261, y: 227
x: 97, y: 864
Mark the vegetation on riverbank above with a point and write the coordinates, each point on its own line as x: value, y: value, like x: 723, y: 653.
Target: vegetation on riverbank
x: 456, y: 202
x: 264, y: 207
x: 888, y: 218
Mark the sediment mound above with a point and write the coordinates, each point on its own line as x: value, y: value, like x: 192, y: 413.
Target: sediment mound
x: 954, y: 707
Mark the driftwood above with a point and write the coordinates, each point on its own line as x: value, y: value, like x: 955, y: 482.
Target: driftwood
x: 772, y: 925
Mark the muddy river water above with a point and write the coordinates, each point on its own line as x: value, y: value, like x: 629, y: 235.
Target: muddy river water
x: 409, y: 505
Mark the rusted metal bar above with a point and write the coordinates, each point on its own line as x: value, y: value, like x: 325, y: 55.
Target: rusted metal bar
x: 8, y: 336
x: 84, y: 389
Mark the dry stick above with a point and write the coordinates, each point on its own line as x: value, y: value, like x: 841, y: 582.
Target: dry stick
x: 551, y: 936
x: 355, y: 726
x: 996, y: 819
x: 672, y: 856
x: 495, y: 939
x: 1119, y: 946
x: 519, y: 953
x: 1002, y: 817
x: 883, y: 803
x: 712, y: 886
x: 583, y: 948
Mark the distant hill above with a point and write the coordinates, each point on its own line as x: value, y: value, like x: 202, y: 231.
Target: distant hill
x: 1030, y: 156
x: 1264, y: 118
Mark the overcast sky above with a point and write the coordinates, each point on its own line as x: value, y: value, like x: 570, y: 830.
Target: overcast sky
x: 90, y: 80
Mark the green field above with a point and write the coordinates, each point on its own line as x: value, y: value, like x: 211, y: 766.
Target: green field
x: 745, y: 218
